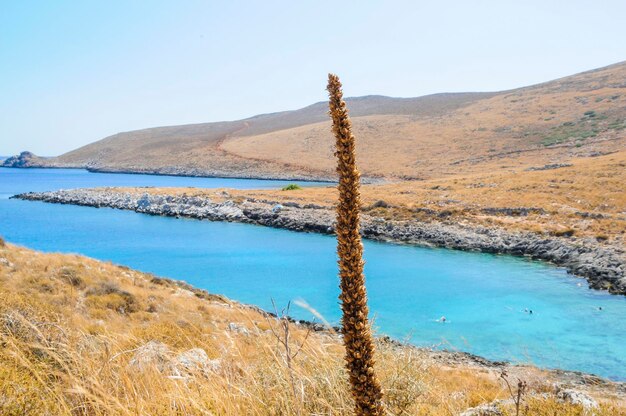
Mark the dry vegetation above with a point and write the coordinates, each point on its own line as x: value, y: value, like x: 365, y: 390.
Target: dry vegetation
x: 586, y: 199
x: 547, y: 123
x: 82, y: 337
x: 355, y: 325
x: 461, y: 158
x: 416, y: 138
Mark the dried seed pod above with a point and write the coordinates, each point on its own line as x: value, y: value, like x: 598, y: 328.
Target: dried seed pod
x: 357, y: 337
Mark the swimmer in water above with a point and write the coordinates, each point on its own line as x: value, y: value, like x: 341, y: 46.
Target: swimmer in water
x: 442, y: 319
x: 599, y: 308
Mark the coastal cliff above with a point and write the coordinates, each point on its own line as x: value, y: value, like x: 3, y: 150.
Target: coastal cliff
x: 24, y: 160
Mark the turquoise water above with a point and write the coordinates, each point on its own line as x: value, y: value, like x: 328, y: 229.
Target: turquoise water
x: 482, y: 296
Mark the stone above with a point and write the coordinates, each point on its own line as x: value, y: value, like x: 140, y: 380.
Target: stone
x: 143, y: 202
x: 5, y: 262
x: 192, y: 358
x: 603, y: 265
x: 577, y: 397
x: 152, y: 354
x: 234, y: 327
x: 196, y: 360
x: 488, y: 409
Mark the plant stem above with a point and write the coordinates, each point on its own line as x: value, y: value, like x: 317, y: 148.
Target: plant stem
x: 357, y: 337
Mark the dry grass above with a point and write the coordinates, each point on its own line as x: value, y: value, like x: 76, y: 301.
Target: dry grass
x: 509, y: 130
x: 73, y: 336
x: 400, y: 139
x: 586, y: 199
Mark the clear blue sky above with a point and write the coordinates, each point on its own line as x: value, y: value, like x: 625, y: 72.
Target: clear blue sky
x: 72, y: 72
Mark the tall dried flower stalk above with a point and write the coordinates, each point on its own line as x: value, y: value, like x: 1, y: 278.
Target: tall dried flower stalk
x: 357, y: 337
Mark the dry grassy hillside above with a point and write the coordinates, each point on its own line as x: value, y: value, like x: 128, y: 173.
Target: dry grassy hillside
x: 82, y: 337
x: 586, y: 199
x: 581, y: 199
x: 197, y: 149
x: 578, y: 116
x: 410, y: 138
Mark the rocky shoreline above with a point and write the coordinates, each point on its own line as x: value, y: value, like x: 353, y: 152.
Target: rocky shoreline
x: 577, y: 383
x: 604, y: 266
x: 446, y: 357
x: 201, y: 173
x: 28, y: 160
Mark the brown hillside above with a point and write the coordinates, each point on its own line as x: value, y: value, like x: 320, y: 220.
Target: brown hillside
x: 410, y: 138
x: 83, y: 337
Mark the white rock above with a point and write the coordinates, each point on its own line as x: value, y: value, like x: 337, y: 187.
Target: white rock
x: 5, y: 262
x: 577, y: 397
x: 483, y: 410
x: 233, y: 327
x: 143, y: 202
x: 196, y: 359
x: 153, y: 354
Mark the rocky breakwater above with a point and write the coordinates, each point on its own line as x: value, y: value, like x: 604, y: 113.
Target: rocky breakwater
x: 604, y: 266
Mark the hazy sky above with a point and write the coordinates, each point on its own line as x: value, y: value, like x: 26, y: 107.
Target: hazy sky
x: 72, y: 72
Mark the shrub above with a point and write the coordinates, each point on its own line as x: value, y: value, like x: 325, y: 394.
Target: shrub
x: 569, y: 131
x: 109, y: 295
x: 380, y: 204
x: 71, y: 276
x: 377, y: 204
x: 568, y: 232
x: 617, y: 125
x: 292, y: 187
x: 590, y: 113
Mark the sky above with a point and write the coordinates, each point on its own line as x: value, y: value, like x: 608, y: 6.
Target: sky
x: 73, y: 72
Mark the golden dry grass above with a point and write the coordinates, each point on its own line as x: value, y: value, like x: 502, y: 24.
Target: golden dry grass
x: 406, y: 139
x: 509, y: 130
x: 586, y: 198
x: 70, y: 328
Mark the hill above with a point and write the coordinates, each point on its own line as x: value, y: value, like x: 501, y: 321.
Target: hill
x: 83, y: 337
x: 399, y: 138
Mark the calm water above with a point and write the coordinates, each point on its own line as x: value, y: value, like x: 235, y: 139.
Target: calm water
x: 483, y: 296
